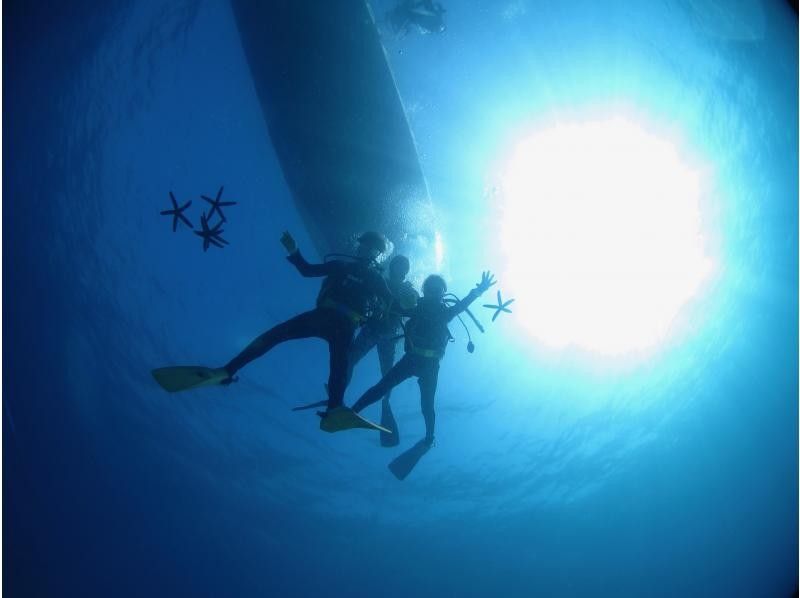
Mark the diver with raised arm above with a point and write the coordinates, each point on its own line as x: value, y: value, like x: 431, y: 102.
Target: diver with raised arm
x: 426, y: 338
x: 348, y: 292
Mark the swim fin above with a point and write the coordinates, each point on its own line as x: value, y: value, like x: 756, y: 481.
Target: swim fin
x: 388, y: 421
x: 311, y: 405
x: 322, y: 403
x: 405, y: 463
x: 344, y: 418
x: 185, y: 377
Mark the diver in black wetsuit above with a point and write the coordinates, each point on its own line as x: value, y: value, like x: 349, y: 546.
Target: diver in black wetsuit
x: 347, y: 294
x: 383, y: 333
x: 426, y: 337
x: 427, y: 15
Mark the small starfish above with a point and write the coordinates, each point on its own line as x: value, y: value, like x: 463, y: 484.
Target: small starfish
x: 211, y: 236
x: 217, y: 205
x: 177, y: 213
x: 501, y: 306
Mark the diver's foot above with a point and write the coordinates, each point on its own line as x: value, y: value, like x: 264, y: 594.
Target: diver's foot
x: 229, y: 379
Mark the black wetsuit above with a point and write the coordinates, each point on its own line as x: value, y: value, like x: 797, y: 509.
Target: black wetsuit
x: 342, y: 304
x: 427, y: 336
x: 383, y: 333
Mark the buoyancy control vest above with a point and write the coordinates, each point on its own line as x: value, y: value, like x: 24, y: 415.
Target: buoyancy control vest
x: 350, y: 291
x: 426, y: 332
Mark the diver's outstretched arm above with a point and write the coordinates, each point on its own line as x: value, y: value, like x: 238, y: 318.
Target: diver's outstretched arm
x: 312, y: 270
x: 487, y: 280
x: 299, y: 262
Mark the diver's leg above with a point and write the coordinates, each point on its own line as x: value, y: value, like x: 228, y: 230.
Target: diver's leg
x: 386, y: 350
x: 402, y: 370
x: 363, y: 343
x: 304, y: 325
x: 428, y: 380
x: 340, y: 339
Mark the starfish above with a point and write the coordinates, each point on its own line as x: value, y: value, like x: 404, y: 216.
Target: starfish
x: 217, y: 205
x: 177, y: 213
x: 211, y: 236
x: 501, y: 306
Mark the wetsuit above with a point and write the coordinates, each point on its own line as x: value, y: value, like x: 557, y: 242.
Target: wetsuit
x: 347, y: 292
x: 383, y: 333
x: 426, y: 338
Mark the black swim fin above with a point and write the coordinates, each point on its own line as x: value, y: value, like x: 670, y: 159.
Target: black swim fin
x: 405, y: 463
x: 388, y: 422
x: 344, y: 418
x: 323, y: 403
x: 313, y: 405
x: 186, y: 377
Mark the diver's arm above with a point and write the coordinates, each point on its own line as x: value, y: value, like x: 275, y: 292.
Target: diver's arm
x: 406, y: 312
x: 463, y: 304
x: 311, y: 270
x: 487, y: 280
x: 404, y: 301
x: 299, y: 262
x: 384, y: 294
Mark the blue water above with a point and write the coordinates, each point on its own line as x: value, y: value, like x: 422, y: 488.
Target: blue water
x: 555, y: 473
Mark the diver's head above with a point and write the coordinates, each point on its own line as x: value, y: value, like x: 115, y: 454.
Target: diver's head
x: 434, y: 287
x: 398, y: 268
x: 371, y: 245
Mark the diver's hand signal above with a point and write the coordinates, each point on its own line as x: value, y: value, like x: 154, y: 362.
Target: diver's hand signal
x: 487, y: 280
x: 288, y: 242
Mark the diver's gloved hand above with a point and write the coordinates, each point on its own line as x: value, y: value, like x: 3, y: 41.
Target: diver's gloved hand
x: 487, y: 280
x: 430, y: 441
x: 288, y: 242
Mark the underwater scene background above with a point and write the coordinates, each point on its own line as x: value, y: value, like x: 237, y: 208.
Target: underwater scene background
x: 557, y: 471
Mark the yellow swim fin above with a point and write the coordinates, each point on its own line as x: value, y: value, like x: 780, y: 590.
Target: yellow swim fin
x: 344, y: 418
x: 186, y: 377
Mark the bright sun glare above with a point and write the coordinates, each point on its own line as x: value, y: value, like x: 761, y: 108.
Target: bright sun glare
x: 602, y: 235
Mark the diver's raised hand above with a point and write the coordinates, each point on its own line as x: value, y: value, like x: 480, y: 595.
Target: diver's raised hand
x: 288, y: 242
x: 487, y: 280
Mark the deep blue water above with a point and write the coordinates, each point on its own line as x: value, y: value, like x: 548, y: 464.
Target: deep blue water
x: 554, y: 474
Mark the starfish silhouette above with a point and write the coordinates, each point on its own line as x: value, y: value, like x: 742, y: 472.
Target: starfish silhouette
x: 501, y: 306
x: 177, y: 212
x: 211, y: 236
x: 217, y: 205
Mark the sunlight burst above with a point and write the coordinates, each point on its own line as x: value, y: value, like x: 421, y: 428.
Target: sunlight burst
x: 601, y: 232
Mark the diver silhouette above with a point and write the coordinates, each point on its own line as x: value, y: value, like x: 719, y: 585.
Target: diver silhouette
x: 383, y: 334
x: 426, y: 337
x: 350, y: 290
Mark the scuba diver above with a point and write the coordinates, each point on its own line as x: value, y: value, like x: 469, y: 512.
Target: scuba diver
x: 384, y: 333
x: 349, y: 291
x: 426, y: 15
x: 426, y: 338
